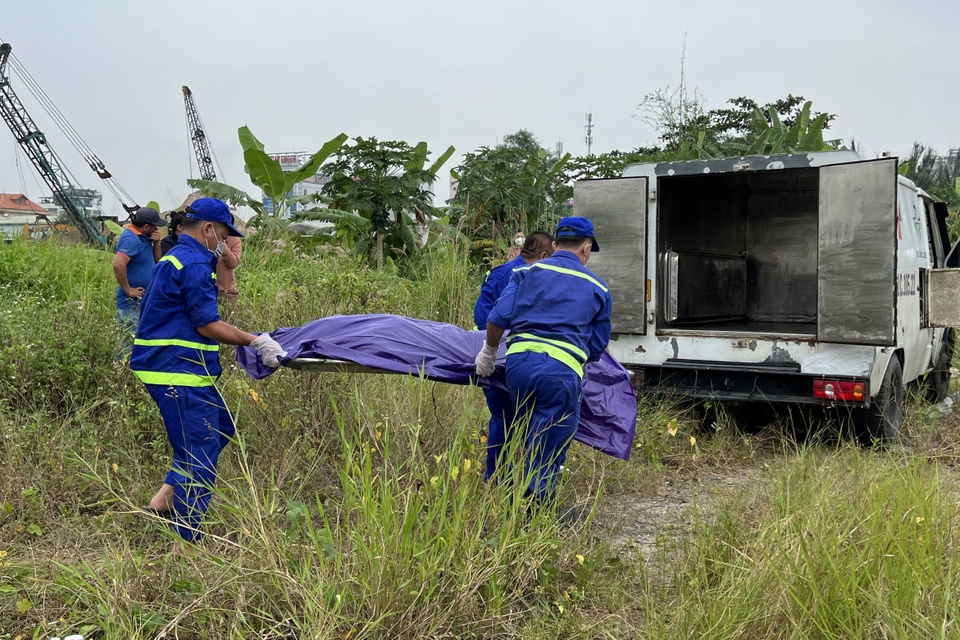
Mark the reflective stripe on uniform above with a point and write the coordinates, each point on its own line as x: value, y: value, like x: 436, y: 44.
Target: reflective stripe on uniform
x: 556, y: 353
x: 176, y: 379
x: 573, y: 349
x: 174, y: 342
x: 569, y: 272
x: 174, y: 261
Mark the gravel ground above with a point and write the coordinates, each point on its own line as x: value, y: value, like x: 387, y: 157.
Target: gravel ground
x: 644, y: 527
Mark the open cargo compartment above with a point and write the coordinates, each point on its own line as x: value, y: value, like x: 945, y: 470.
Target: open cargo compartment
x: 740, y: 251
x: 800, y: 253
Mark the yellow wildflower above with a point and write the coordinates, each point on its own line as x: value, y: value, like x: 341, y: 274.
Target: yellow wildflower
x: 257, y: 400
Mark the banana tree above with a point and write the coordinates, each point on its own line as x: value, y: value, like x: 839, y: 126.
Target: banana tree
x: 267, y: 174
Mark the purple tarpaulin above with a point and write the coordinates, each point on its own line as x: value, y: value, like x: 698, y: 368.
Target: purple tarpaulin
x: 445, y: 353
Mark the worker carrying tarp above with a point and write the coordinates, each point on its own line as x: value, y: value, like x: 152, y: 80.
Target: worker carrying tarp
x: 176, y: 355
x: 558, y: 314
x: 538, y: 246
x: 445, y: 353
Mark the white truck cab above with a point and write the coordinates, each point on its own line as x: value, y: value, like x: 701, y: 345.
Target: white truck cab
x: 814, y: 278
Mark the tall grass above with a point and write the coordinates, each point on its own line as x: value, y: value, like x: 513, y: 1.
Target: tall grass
x: 847, y: 546
x: 353, y: 506
x: 348, y: 504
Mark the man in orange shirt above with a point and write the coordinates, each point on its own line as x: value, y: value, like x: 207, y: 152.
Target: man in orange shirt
x: 226, y: 276
x: 138, y: 250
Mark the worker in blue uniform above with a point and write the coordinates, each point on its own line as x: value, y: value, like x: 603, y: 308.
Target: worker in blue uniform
x: 176, y: 356
x: 558, y: 314
x: 537, y: 246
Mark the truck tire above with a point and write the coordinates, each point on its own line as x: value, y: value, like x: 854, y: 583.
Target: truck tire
x: 883, y: 421
x: 938, y: 380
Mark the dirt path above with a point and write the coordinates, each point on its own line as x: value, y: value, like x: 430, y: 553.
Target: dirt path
x: 643, y: 525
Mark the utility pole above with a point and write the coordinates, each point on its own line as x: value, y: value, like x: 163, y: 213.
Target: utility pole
x: 589, y: 127
x: 559, y: 148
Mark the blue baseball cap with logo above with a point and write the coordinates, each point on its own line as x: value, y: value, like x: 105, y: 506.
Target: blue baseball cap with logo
x: 212, y: 210
x: 576, y: 227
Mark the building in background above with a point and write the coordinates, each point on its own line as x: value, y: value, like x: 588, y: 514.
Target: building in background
x: 290, y: 160
x: 17, y: 212
x: 89, y: 200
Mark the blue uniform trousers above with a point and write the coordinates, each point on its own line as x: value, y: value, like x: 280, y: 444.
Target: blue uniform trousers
x: 549, y: 392
x: 198, y: 427
x: 501, y: 416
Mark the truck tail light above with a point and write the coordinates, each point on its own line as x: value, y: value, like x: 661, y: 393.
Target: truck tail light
x: 839, y: 390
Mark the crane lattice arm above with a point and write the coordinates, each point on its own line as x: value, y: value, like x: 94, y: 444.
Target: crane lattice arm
x: 201, y: 147
x: 47, y: 163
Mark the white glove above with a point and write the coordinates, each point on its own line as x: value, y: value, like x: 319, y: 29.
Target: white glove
x: 269, y: 350
x: 486, y: 361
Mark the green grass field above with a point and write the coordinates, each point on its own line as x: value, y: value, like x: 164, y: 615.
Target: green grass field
x: 353, y: 506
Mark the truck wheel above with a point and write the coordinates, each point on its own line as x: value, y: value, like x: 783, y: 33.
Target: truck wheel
x: 938, y: 380
x: 883, y: 421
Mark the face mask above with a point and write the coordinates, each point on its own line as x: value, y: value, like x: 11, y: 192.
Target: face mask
x: 519, y: 240
x: 217, y: 250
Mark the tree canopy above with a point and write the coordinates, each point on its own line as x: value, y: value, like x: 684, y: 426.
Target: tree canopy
x: 513, y: 186
x: 387, y: 183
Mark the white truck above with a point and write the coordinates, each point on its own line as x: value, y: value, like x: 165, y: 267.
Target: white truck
x: 815, y: 278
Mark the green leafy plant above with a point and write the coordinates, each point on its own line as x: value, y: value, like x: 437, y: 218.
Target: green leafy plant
x: 388, y: 184
x: 267, y: 174
x: 516, y: 185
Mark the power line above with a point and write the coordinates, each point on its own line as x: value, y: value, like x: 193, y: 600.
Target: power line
x: 68, y: 130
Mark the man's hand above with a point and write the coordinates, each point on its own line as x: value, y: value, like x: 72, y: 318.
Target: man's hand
x: 269, y: 349
x: 134, y: 292
x: 155, y: 236
x: 486, y: 361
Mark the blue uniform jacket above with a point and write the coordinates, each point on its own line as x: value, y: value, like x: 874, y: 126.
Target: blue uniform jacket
x: 493, y: 285
x: 556, y: 306
x: 168, y: 349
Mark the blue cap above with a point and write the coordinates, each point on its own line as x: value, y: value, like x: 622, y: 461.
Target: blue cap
x: 212, y: 210
x: 576, y: 227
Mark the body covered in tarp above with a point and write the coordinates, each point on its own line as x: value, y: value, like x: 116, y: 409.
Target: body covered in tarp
x: 445, y: 353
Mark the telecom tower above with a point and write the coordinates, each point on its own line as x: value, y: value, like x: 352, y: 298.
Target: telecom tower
x: 589, y: 127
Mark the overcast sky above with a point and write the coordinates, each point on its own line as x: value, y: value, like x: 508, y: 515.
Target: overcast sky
x: 457, y: 73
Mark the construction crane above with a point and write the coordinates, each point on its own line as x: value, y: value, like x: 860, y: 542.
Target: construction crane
x: 62, y: 185
x: 201, y: 146
x: 42, y: 156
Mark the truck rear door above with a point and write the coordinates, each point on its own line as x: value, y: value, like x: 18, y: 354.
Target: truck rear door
x: 857, y: 253
x: 618, y: 209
